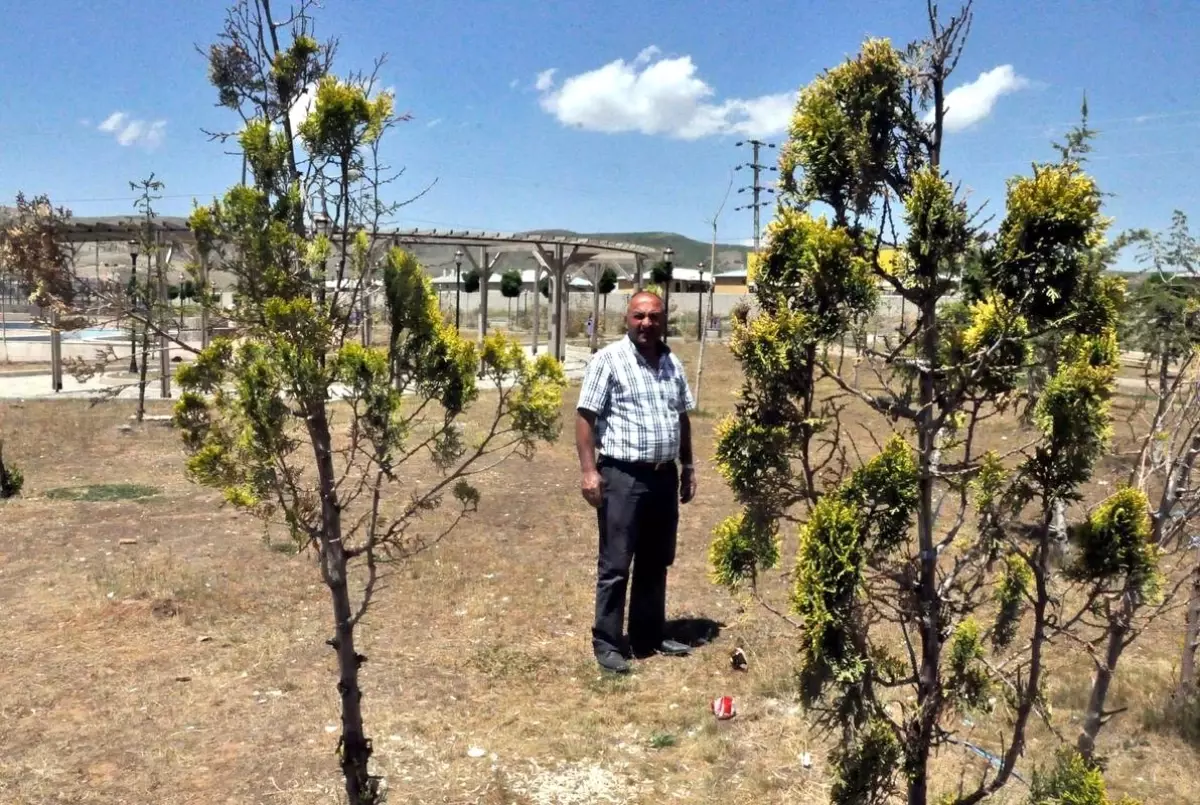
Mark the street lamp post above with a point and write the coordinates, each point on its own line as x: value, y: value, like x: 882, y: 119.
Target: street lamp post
x: 458, y: 256
x: 668, y: 261
x: 132, y: 293
x: 322, y: 225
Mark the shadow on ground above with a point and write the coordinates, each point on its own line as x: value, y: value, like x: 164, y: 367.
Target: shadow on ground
x: 694, y: 632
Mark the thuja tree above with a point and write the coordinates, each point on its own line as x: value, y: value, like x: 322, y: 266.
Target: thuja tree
x: 924, y: 586
x: 1163, y: 323
x: 349, y: 449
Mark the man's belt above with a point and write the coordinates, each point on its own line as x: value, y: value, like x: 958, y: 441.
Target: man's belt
x: 637, y: 466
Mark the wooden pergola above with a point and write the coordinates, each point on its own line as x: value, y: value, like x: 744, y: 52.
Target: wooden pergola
x: 558, y: 256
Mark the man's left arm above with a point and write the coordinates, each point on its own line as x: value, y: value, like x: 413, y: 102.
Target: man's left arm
x: 687, y: 478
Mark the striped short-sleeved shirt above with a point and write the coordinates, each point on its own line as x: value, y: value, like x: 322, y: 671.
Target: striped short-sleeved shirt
x: 637, y: 405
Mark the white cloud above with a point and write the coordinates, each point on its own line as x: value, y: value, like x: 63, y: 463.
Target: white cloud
x: 129, y: 131
x: 516, y: 82
x: 436, y: 121
x: 970, y: 103
x: 647, y: 55
x: 113, y: 122
x: 657, y: 95
x: 302, y: 107
x: 545, y: 79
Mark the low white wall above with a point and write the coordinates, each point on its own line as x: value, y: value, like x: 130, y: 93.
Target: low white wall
x: 39, y: 351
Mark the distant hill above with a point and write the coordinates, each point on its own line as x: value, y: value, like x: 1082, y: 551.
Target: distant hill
x: 688, y: 252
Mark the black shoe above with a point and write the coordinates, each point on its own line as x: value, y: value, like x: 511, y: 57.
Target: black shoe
x: 613, y: 661
x: 670, y: 648
x: 673, y: 648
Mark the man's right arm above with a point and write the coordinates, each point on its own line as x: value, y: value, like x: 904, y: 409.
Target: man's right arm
x: 585, y: 439
x: 593, y: 398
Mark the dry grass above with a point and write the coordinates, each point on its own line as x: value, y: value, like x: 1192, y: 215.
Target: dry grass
x: 190, y: 667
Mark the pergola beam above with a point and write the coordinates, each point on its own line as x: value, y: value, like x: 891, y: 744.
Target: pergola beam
x: 175, y: 229
x: 555, y: 253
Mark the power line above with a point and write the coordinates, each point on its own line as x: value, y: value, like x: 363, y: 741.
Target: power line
x: 755, y: 188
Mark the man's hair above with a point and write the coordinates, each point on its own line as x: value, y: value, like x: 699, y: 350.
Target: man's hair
x: 638, y: 294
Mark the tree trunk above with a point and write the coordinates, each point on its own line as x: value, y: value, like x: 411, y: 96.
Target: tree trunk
x: 143, y: 371
x: 1118, y: 628
x: 929, y: 686
x: 1191, y: 636
x: 354, y: 747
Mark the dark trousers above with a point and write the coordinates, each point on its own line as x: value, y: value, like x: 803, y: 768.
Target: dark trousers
x: 638, y: 517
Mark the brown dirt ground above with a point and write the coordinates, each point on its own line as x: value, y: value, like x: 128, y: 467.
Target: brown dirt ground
x: 190, y: 667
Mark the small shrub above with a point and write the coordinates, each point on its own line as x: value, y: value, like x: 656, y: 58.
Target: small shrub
x: 662, y: 740
x: 1071, y: 780
x: 11, y: 480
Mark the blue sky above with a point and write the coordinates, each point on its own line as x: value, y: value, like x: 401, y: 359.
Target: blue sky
x: 634, y: 129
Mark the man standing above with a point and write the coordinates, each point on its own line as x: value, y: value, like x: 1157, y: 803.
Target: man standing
x: 633, y: 411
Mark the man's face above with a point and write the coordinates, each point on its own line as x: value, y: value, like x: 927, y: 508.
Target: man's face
x: 644, y: 319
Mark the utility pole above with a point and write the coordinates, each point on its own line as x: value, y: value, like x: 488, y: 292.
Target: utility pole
x: 756, y: 189
x: 712, y: 281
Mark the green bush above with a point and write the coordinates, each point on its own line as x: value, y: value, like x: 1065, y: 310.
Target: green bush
x: 11, y: 480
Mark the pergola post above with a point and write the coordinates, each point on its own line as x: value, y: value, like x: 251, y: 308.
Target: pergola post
x: 556, y: 266
x: 594, y: 338
x: 553, y: 263
x: 537, y: 305
x: 638, y: 282
x: 561, y: 298
x: 483, y: 268
x: 55, y: 351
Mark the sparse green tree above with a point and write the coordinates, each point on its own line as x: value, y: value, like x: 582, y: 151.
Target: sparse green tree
x: 293, y: 420
x: 147, y: 300
x: 885, y: 551
x: 510, y: 287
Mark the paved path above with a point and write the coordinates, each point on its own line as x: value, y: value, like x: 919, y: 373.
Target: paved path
x: 39, y: 386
